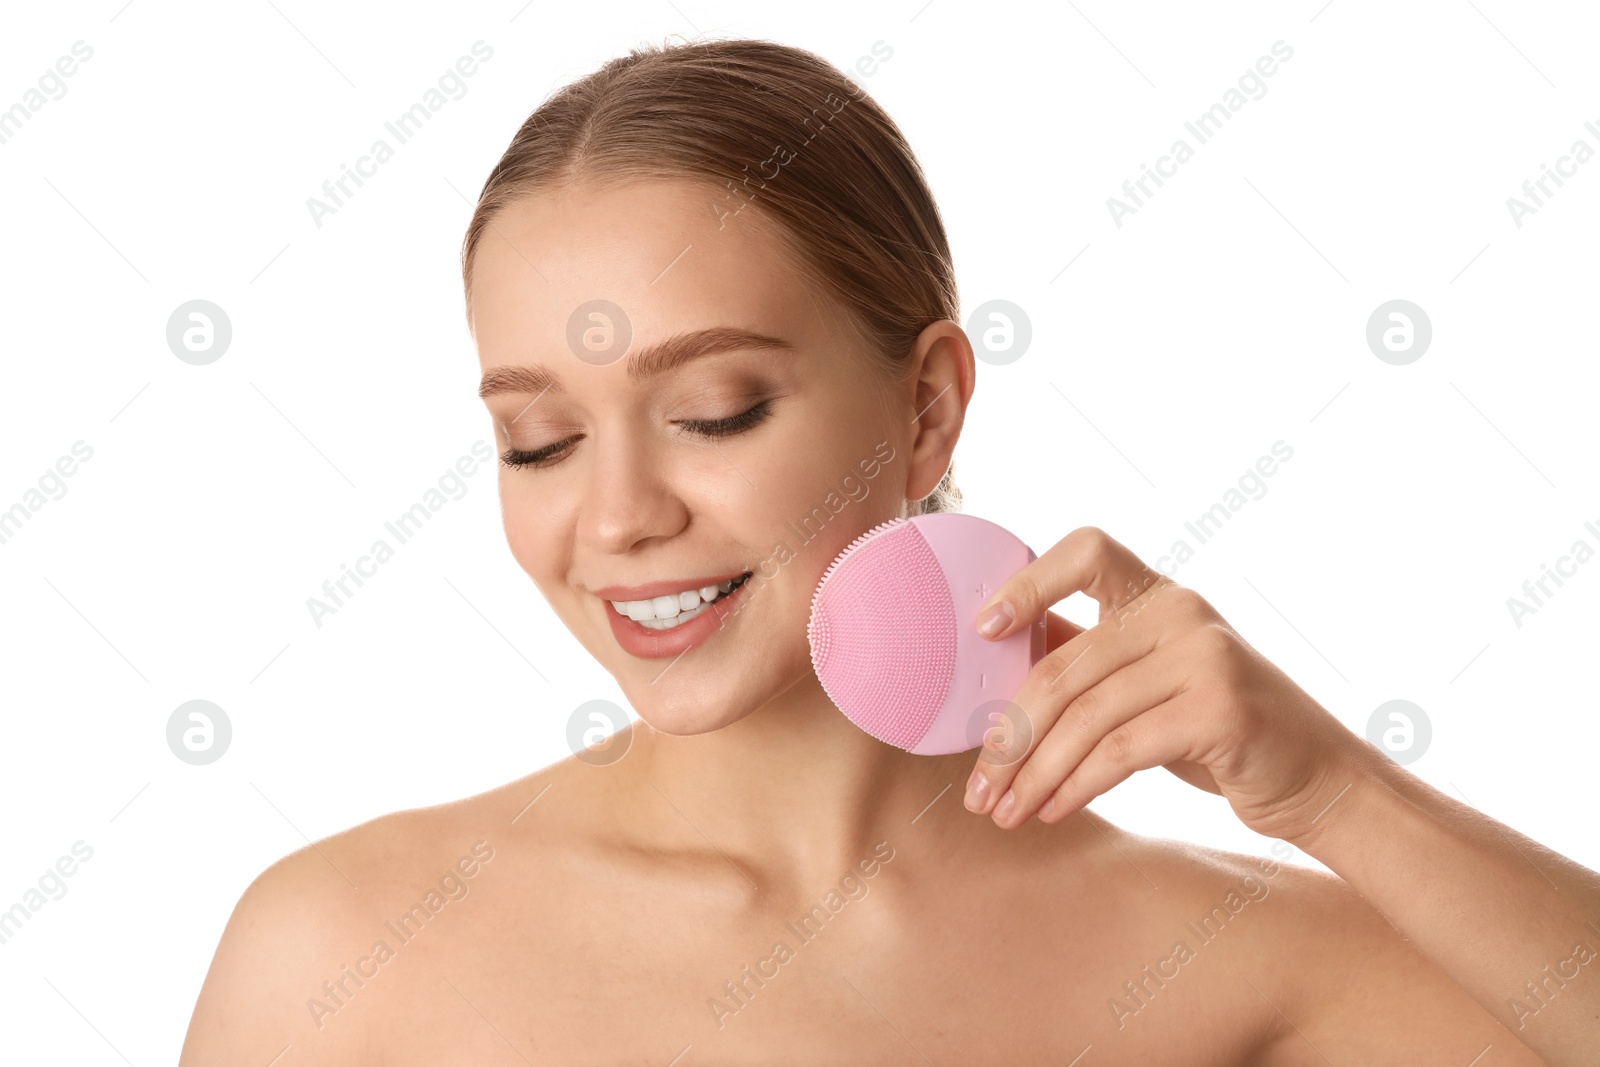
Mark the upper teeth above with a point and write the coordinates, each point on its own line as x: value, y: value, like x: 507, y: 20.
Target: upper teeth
x: 672, y: 605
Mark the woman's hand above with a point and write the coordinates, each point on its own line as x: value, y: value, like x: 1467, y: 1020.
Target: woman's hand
x: 1161, y: 680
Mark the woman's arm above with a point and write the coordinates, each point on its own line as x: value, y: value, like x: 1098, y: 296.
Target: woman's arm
x: 283, y: 937
x: 1513, y: 923
x: 1162, y: 680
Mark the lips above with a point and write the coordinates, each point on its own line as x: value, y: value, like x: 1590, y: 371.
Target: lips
x: 646, y: 643
x: 663, y: 588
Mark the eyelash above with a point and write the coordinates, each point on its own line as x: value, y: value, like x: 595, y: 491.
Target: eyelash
x: 550, y: 455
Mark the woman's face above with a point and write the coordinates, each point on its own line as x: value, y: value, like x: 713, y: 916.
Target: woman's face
x: 628, y: 483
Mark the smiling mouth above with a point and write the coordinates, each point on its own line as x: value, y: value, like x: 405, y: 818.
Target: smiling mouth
x: 658, y: 620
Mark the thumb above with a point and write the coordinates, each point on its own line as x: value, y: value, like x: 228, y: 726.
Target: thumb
x: 1015, y: 604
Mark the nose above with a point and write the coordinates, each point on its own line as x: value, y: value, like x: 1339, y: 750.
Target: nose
x: 629, y: 498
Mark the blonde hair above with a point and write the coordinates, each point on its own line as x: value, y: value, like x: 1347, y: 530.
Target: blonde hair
x: 847, y: 194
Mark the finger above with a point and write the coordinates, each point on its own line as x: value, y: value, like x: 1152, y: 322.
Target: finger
x: 1164, y: 734
x: 1146, y: 683
x: 1087, y: 560
x: 1058, y: 631
x: 1060, y: 676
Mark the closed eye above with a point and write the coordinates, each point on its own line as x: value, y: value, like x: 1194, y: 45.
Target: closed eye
x: 550, y: 455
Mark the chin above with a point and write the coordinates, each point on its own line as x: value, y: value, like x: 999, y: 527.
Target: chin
x: 697, y: 700
x: 686, y: 714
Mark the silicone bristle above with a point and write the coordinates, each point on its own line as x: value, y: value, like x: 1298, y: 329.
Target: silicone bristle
x: 851, y: 547
x: 883, y: 596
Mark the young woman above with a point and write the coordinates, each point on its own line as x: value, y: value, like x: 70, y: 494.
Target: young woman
x: 714, y: 306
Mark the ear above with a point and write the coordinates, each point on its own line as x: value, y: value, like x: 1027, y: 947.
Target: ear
x: 943, y: 374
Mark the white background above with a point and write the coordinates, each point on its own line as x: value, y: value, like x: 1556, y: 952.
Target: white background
x: 1226, y: 314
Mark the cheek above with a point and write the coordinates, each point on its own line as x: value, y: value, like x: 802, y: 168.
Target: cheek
x: 797, y: 470
x: 529, y: 533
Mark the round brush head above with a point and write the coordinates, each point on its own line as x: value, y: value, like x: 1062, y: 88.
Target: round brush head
x: 892, y: 632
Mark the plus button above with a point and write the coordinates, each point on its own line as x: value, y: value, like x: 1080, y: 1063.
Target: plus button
x: 983, y: 590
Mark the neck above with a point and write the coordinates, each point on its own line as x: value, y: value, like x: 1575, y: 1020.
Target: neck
x: 794, y: 793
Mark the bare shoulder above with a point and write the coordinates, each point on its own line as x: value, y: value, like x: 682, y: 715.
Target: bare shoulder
x: 1360, y: 988
x: 1329, y: 977
x: 306, y: 928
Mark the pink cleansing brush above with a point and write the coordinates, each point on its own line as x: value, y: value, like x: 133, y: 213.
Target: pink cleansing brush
x: 893, y: 634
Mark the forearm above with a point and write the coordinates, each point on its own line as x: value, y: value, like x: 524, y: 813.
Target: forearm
x: 1513, y: 923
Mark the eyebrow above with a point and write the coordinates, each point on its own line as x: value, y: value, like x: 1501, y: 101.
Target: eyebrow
x: 648, y: 362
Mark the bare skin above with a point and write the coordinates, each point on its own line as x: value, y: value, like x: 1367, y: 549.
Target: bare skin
x: 604, y: 926
x: 613, y: 908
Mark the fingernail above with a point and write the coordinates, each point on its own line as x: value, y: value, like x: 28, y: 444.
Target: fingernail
x: 977, y: 792
x: 1007, y: 802
x: 1048, y: 806
x: 996, y: 619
